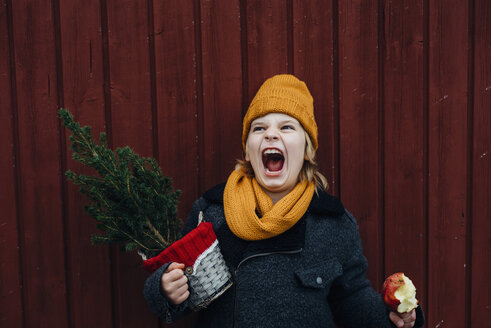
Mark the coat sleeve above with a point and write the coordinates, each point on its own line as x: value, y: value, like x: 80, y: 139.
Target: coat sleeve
x: 353, y: 301
x: 152, y: 290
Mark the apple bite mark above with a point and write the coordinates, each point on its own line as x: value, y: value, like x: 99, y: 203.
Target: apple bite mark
x: 399, y: 293
x: 273, y: 161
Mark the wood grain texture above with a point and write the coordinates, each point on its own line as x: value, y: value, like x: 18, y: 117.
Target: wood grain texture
x: 361, y: 190
x: 176, y: 84
x: 448, y: 161
x: 267, y: 42
x: 404, y: 142
x: 177, y: 62
x: 314, y: 63
x: 131, y: 124
x: 480, y: 252
x: 10, y: 282
x: 221, y: 112
x: 40, y: 191
x: 88, y: 266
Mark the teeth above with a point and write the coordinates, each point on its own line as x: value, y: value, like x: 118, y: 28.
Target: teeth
x: 272, y: 151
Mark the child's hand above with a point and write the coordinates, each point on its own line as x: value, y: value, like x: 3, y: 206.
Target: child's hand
x: 403, y: 320
x: 175, y: 283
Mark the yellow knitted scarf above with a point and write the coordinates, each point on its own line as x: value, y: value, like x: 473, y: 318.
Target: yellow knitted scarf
x: 243, y: 195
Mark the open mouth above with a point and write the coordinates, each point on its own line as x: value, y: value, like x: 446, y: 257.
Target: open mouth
x: 273, y: 160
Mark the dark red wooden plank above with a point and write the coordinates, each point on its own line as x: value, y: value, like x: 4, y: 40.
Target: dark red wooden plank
x: 404, y: 146
x: 40, y: 191
x: 88, y: 270
x: 176, y: 83
x: 267, y: 42
x: 448, y: 160
x: 131, y: 124
x: 314, y: 63
x: 130, y: 75
x: 10, y: 283
x: 222, y: 91
x: 361, y: 164
x: 480, y: 289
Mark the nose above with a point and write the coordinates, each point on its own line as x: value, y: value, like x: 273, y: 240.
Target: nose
x: 271, y: 135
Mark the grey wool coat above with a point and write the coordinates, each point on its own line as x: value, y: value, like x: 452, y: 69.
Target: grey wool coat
x: 312, y: 275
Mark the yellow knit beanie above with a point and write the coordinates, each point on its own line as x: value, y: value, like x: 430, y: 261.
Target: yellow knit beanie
x: 287, y: 95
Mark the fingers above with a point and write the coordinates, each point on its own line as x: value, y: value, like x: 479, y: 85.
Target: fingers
x: 181, y: 295
x: 403, y: 320
x: 175, y: 283
x: 174, y: 266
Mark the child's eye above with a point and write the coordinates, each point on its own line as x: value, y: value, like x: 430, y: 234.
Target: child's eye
x: 287, y: 127
x: 257, y: 128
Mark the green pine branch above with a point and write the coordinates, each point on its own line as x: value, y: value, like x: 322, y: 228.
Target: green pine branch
x: 132, y: 201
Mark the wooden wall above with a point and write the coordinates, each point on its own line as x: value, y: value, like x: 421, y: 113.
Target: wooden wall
x: 402, y: 94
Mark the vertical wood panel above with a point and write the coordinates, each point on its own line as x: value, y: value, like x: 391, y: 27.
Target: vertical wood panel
x: 42, y: 244
x: 10, y: 283
x: 222, y: 91
x: 313, y: 44
x: 405, y: 212
x: 176, y: 96
x: 481, y: 180
x: 360, y: 166
x: 88, y: 265
x: 447, y: 161
x: 130, y: 75
x: 131, y: 123
x: 267, y: 42
x: 176, y: 62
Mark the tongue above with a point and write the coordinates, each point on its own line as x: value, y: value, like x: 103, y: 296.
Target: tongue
x: 274, y: 165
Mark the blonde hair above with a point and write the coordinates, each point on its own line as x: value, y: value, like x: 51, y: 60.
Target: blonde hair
x: 310, y: 169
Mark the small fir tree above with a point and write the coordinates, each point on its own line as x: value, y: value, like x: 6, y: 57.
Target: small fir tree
x: 132, y: 201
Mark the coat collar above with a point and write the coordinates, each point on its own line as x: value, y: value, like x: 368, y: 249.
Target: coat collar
x: 322, y: 203
x: 235, y: 249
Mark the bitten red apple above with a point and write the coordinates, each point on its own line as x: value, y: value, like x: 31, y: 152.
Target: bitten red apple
x: 399, y: 293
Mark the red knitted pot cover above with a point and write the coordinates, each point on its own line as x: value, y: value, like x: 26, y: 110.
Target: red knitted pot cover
x: 186, y: 250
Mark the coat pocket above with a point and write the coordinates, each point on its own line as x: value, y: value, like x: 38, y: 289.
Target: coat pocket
x: 320, y: 275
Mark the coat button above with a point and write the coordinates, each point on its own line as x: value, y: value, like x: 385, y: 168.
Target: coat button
x: 189, y: 270
x: 319, y: 280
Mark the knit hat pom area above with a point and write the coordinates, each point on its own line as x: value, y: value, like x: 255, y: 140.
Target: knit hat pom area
x: 283, y: 94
